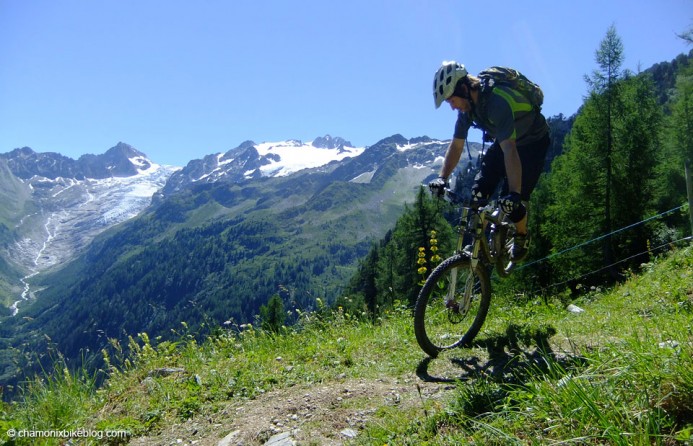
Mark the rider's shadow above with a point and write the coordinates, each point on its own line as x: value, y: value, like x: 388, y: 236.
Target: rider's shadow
x: 521, y: 351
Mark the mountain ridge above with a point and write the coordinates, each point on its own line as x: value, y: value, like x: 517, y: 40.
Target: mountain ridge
x: 251, y: 161
x: 221, y: 249
x: 116, y: 161
x: 32, y: 180
x: 54, y: 206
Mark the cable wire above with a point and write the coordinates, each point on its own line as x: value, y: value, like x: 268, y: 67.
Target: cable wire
x: 541, y: 290
x: 601, y: 237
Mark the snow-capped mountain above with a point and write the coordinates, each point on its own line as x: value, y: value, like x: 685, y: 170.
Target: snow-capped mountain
x: 268, y: 159
x: 58, y: 205
x: 223, y: 235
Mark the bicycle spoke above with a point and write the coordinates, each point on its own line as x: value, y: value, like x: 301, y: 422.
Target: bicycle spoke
x: 452, y: 306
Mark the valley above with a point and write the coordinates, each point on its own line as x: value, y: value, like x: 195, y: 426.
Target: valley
x: 214, y: 240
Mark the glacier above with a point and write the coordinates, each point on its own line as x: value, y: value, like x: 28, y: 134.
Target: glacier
x: 71, y: 212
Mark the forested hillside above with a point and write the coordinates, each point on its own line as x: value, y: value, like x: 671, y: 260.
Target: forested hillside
x: 214, y: 254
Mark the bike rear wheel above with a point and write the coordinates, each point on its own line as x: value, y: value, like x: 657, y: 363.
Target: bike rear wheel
x: 452, y: 305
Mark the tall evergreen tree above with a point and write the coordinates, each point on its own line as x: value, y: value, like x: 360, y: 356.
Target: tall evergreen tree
x: 637, y: 128
x: 388, y: 280
x: 396, y: 276
x: 604, y: 180
x: 604, y: 88
x: 574, y: 194
x: 363, y: 286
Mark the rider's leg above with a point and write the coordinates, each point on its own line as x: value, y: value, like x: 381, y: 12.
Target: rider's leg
x: 491, y: 172
x: 532, y: 158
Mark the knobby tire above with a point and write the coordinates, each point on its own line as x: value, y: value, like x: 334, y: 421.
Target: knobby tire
x: 439, y: 325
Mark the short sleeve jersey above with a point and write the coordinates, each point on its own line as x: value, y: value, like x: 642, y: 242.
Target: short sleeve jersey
x: 504, y: 114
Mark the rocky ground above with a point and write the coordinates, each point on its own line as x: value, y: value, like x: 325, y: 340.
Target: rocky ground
x: 327, y: 414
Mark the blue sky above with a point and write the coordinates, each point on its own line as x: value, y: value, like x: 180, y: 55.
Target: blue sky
x: 182, y: 79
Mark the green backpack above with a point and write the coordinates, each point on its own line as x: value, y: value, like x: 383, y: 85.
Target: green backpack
x: 515, y: 80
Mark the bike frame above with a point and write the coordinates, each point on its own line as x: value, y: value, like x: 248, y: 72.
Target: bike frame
x: 484, y: 249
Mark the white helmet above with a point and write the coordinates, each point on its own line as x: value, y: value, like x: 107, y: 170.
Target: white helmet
x: 445, y: 80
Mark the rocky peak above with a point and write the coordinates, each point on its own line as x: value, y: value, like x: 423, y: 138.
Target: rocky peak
x: 25, y: 163
x: 24, y: 152
x: 123, y: 150
x: 396, y: 139
x: 328, y: 142
x: 420, y: 139
x: 116, y: 162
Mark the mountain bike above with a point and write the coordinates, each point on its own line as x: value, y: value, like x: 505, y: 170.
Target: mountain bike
x: 454, y: 300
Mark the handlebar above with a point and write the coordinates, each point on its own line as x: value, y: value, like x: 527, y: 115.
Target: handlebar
x: 453, y: 198
x: 489, y: 209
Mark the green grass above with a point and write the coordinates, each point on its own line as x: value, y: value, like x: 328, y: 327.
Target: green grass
x: 619, y: 373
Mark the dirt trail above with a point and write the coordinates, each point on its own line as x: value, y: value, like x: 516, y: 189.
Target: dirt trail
x: 324, y: 414
x: 334, y: 412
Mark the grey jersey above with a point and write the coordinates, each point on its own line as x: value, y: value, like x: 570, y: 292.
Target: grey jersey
x: 504, y: 113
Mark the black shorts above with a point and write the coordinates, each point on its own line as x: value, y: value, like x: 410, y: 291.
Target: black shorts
x: 532, y: 157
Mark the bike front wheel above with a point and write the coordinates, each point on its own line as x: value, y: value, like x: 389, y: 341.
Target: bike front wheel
x: 452, y: 305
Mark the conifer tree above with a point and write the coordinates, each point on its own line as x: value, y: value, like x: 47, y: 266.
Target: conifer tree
x: 272, y: 315
x: 604, y: 180
x: 396, y: 276
x: 366, y: 281
x: 574, y: 196
x: 604, y: 90
x: 637, y: 129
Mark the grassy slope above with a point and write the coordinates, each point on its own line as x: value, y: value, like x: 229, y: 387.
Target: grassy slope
x: 620, y: 372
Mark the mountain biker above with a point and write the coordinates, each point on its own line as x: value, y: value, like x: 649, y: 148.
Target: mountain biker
x: 521, y: 140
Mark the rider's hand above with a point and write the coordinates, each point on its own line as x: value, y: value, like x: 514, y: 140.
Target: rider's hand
x: 438, y: 186
x: 510, y: 202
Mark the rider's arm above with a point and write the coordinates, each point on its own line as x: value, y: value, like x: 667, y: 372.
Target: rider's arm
x: 513, y: 165
x: 452, y: 157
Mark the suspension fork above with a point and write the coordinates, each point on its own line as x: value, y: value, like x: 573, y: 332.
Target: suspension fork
x: 450, y: 298
x: 479, y: 224
x: 463, y: 229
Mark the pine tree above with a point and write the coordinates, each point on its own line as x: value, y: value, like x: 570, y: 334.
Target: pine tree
x: 395, y: 276
x: 637, y: 129
x: 574, y: 194
x: 272, y: 315
x: 387, y: 279
x: 413, y: 231
x: 366, y: 281
x: 604, y: 180
x: 604, y: 85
